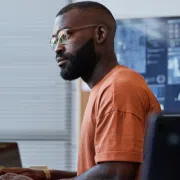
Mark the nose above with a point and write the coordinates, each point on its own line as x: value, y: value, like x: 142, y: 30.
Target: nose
x: 59, y: 48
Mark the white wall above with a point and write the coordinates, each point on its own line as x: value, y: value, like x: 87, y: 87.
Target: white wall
x: 141, y: 8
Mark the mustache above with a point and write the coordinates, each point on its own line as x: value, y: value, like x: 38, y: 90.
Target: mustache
x: 64, y: 56
x: 61, y: 56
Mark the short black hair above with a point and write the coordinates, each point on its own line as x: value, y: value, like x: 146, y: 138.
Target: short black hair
x: 84, y: 5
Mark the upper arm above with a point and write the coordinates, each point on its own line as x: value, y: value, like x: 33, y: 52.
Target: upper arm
x: 119, y: 137
x: 120, y: 129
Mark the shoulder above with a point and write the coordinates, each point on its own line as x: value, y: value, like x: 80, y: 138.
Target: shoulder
x: 123, y: 81
x: 123, y: 76
x: 126, y: 91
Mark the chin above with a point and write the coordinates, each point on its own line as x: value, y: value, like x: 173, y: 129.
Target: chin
x: 70, y: 73
x: 68, y: 76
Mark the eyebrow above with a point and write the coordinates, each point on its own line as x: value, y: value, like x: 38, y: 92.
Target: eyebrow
x: 66, y: 27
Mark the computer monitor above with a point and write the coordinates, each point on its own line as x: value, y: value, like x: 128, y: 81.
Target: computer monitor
x: 162, y: 148
x: 151, y: 46
x: 9, y: 155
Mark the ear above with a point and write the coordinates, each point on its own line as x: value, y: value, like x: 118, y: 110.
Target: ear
x: 101, y: 33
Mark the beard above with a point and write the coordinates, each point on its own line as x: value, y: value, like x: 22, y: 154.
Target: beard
x: 82, y: 64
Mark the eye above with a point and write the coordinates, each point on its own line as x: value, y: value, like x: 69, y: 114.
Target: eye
x: 54, y: 40
x: 63, y: 38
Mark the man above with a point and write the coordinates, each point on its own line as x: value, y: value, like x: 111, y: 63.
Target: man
x: 112, y: 133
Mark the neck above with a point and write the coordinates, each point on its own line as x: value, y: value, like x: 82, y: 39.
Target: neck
x: 105, y: 65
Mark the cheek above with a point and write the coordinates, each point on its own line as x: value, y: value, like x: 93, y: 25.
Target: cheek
x: 74, y: 44
x: 71, y: 49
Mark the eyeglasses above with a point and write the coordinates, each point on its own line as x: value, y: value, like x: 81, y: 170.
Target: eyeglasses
x: 63, y: 35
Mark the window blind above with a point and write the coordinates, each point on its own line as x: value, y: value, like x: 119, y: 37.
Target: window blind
x: 36, y: 104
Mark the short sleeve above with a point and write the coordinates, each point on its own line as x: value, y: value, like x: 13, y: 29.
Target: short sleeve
x: 120, y: 126
x: 119, y: 136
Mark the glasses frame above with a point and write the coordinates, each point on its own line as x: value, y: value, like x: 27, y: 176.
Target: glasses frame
x: 65, y: 32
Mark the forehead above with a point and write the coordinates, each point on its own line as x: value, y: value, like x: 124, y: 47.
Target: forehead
x: 72, y: 18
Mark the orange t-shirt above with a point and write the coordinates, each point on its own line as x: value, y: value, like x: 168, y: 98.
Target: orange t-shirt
x: 113, y: 127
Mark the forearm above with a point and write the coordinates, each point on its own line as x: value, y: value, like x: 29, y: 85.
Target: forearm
x: 55, y: 174
x: 110, y: 171
x: 97, y: 173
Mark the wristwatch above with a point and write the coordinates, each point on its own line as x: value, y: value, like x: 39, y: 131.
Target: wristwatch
x: 47, y: 174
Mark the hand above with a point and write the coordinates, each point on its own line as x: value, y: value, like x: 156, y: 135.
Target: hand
x: 34, y: 174
x: 11, y: 176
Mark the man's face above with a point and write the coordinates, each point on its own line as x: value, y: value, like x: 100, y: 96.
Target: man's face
x: 77, y: 57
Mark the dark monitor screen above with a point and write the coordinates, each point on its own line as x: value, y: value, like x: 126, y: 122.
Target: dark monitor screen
x: 162, y: 147
x: 151, y: 46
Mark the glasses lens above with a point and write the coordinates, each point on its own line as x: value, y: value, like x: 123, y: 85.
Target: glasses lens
x: 53, y: 42
x: 62, y: 39
x: 62, y: 36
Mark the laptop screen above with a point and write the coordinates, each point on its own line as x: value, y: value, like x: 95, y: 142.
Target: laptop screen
x: 9, y: 155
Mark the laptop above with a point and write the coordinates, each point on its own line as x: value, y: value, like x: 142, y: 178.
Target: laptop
x: 162, y: 148
x: 9, y: 155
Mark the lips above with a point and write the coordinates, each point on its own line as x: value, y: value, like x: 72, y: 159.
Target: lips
x: 61, y: 61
